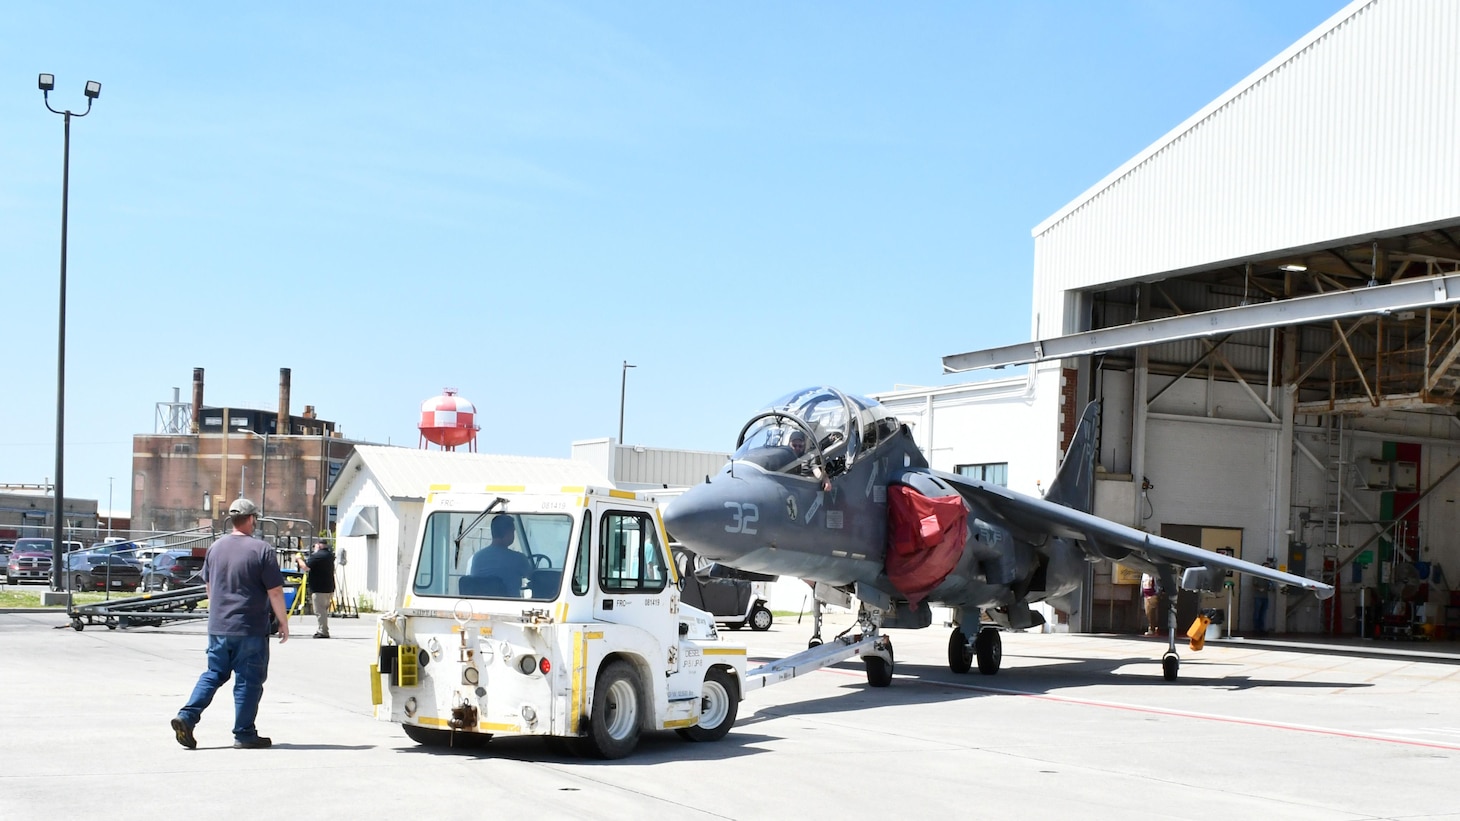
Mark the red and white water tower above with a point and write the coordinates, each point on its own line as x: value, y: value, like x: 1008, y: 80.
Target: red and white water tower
x: 449, y: 420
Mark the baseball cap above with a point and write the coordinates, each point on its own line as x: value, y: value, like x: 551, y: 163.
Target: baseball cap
x: 242, y: 507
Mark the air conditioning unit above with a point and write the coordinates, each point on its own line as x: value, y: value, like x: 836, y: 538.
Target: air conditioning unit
x: 1377, y: 474
x: 1406, y: 476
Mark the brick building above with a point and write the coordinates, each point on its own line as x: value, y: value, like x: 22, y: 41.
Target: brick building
x: 186, y: 474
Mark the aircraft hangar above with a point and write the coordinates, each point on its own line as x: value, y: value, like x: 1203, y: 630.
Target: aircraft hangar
x: 1267, y: 302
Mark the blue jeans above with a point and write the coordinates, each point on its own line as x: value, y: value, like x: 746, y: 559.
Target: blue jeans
x: 1259, y: 612
x: 246, y: 658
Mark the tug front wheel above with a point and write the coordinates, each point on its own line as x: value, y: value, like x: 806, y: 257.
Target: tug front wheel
x: 719, y: 702
x: 613, y: 725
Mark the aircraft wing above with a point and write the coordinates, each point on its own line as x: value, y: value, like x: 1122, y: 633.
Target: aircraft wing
x: 1109, y: 540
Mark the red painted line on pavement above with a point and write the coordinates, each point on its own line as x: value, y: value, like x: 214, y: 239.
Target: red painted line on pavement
x: 1162, y: 711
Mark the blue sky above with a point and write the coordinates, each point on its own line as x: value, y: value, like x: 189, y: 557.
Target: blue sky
x: 513, y: 198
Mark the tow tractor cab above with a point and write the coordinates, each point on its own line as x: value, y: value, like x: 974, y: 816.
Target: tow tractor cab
x: 552, y: 614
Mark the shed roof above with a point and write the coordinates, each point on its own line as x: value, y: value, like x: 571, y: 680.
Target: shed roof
x: 405, y: 473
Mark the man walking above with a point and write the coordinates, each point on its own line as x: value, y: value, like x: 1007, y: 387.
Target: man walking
x: 321, y: 584
x: 244, y: 584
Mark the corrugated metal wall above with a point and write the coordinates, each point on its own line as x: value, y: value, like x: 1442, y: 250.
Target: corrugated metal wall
x: 640, y: 467
x: 1348, y: 133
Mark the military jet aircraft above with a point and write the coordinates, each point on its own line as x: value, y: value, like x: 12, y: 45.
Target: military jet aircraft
x: 831, y: 489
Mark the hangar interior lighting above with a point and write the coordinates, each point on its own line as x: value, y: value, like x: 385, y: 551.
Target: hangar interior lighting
x: 1294, y: 267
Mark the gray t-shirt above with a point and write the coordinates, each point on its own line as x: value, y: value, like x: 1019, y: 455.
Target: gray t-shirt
x: 240, y: 570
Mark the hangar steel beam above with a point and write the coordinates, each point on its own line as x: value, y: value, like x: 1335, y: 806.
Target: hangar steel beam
x: 1404, y: 295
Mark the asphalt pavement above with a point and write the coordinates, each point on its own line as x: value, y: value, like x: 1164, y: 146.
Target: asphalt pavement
x: 1073, y: 726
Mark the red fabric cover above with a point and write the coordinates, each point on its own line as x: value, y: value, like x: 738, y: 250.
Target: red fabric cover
x: 925, y: 538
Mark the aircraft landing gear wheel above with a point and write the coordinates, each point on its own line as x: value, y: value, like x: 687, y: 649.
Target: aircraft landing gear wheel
x: 613, y: 724
x: 77, y: 625
x: 960, y: 655
x: 989, y: 647
x: 879, y: 670
x: 1170, y: 666
x: 718, y: 706
x: 760, y: 618
x: 815, y: 642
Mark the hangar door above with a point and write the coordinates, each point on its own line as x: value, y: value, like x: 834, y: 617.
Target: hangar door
x: 1224, y: 539
x: 1220, y: 475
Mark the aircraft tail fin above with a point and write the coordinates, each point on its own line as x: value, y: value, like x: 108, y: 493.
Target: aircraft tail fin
x: 1074, y: 485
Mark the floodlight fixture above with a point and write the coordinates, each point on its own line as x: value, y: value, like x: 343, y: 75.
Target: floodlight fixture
x: 93, y: 89
x: 47, y: 82
x: 1293, y: 267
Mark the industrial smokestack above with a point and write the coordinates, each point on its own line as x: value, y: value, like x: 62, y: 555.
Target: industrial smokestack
x: 283, y: 427
x: 195, y: 426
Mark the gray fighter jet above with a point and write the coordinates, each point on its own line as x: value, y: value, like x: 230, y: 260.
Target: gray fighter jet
x: 831, y: 489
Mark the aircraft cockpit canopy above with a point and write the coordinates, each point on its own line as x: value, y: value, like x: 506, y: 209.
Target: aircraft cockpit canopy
x: 813, y: 427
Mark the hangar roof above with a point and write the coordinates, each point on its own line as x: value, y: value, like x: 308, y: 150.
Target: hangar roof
x: 1330, y: 169
x: 1345, y: 137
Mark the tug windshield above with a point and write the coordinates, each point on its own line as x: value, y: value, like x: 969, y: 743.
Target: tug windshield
x: 502, y: 555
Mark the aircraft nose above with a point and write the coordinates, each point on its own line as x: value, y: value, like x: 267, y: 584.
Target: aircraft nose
x: 697, y: 520
x: 690, y: 518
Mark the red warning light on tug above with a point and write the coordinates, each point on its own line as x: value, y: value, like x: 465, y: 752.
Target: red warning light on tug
x: 449, y: 420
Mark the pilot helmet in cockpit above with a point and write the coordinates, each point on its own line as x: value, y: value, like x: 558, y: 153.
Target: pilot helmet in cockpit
x: 797, y: 442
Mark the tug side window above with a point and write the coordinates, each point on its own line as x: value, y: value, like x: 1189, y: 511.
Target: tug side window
x: 631, y: 559
x: 580, y: 560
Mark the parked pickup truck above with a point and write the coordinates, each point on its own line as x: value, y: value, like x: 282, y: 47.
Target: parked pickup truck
x: 30, y: 560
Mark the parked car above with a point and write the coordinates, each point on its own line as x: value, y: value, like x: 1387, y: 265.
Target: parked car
x: 30, y: 560
x: 95, y: 570
x: 122, y: 548
x: 147, y: 554
x: 172, y: 569
x: 5, y: 550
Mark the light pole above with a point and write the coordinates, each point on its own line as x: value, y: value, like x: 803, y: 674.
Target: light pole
x: 623, y: 384
x: 264, y: 474
x: 47, y: 82
x: 109, y: 481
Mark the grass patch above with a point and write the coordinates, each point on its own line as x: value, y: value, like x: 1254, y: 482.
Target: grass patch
x: 31, y: 597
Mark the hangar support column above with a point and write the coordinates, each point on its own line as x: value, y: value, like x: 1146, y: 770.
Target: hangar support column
x: 1139, y: 392
x: 1282, y: 501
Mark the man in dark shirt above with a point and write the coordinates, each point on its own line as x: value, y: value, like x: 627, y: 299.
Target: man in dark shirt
x: 506, y: 568
x: 321, y: 584
x: 244, y: 584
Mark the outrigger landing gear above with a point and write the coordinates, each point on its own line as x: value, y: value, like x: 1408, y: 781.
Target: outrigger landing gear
x: 1170, y: 662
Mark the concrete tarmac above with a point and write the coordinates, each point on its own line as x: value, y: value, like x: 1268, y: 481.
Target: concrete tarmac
x: 1072, y: 727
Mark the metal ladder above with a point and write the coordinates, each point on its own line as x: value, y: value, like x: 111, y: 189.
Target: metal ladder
x: 1334, y: 477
